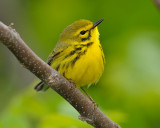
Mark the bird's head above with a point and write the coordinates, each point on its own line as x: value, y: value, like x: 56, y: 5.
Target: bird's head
x: 80, y: 31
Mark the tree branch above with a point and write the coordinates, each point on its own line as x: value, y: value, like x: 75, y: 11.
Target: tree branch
x: 11, y: 39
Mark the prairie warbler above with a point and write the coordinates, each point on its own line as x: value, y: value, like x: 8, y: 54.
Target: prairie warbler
x: 78, y: 54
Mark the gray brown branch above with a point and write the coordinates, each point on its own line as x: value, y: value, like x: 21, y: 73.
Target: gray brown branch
x: 11, y: 39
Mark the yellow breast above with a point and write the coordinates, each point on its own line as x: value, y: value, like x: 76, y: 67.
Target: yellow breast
x: 83, y: 63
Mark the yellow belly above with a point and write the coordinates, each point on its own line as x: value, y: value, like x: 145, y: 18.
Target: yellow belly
x: 84, y: 67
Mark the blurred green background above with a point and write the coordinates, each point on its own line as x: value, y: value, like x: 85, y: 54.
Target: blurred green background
x: 129, y: 90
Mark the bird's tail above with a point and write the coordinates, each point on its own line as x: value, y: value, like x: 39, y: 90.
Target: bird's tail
x: 41, y: 86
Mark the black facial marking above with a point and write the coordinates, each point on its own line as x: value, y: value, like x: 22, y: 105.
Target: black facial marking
x: 87, y: 38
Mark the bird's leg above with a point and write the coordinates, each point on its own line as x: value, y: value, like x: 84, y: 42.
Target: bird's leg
x: 95, y: 105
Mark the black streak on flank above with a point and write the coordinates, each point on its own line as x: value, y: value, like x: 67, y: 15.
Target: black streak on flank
x: 84, y: 52
x: 89, y: 44
x: 73, y: 52
x: 51, y: 59
x: 63, y: 65
x: 67, y: 65
x: 70, y: 54
x: 100, y: 47
x: 57, y: 68
x: 79, y: 48
x: 75, y: 59
x: 102, y: 55
x: 64, y: 74
x: 78, y: 56
x: 103, y: 59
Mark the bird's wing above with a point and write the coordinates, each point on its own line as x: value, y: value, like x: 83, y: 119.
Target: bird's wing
x: 58, y: 51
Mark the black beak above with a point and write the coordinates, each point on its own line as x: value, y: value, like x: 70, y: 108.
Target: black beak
x: 97, y: 23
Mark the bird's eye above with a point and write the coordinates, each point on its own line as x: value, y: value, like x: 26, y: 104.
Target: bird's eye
x: 82, y: 32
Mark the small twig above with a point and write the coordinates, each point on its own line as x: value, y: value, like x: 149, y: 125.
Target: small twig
x: 11, y: 39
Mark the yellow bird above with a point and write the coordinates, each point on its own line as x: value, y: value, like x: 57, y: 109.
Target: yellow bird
x: 78, y: 54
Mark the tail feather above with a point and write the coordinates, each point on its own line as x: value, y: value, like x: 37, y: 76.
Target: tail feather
x: 41, y: 86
